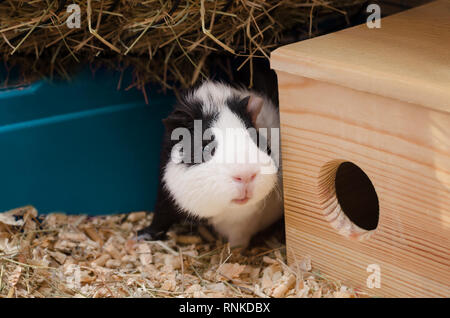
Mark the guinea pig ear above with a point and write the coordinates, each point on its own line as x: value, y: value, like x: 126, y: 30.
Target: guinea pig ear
x: 174, y: 120
x: 254, y: 106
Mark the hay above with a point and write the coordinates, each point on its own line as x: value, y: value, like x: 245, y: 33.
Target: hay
x: 60, y: 255
x: 167, y: 42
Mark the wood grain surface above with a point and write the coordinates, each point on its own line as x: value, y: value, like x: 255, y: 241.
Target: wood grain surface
x: 408, y: 58
x: 405, y: 151
x: 380, y: 99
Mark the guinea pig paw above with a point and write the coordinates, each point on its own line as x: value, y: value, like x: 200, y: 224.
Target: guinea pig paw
x: 239, y: 243
x: 149, y: 234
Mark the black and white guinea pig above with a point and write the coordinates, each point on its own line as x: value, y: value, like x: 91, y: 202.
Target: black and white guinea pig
x: 216, y: 178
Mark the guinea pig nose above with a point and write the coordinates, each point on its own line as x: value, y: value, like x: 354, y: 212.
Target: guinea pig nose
x: 244, y: 177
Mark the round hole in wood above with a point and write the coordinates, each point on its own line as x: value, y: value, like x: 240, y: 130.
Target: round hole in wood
x: 348, y: 199
x: 357, y: 196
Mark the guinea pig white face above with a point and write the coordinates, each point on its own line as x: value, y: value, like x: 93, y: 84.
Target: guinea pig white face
x: 235, y: 169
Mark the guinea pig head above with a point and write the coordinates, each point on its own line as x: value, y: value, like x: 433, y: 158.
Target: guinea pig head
x: 219, y: 158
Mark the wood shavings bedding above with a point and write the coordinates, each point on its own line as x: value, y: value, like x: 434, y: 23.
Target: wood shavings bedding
x: 58, y: 255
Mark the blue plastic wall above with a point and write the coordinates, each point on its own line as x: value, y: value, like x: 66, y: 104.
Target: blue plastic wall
x: 81, y: 146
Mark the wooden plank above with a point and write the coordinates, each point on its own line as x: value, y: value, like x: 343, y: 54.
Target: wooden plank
x: 408, y: 58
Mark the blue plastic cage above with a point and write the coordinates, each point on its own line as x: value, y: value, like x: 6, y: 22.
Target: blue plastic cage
x: 81, y: 146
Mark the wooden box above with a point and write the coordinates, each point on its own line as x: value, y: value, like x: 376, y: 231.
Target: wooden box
x: 365, y: 138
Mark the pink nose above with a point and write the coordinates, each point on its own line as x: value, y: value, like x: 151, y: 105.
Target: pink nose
x: 244, y: 177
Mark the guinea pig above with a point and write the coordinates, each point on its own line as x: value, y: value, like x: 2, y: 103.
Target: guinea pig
x: 220, y: 163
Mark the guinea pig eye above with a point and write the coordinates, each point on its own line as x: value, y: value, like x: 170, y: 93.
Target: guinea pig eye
x: 209, y: 150
x: 177, y: 153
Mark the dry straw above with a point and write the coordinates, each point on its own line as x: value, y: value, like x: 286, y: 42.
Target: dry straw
x: 168, y: 42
